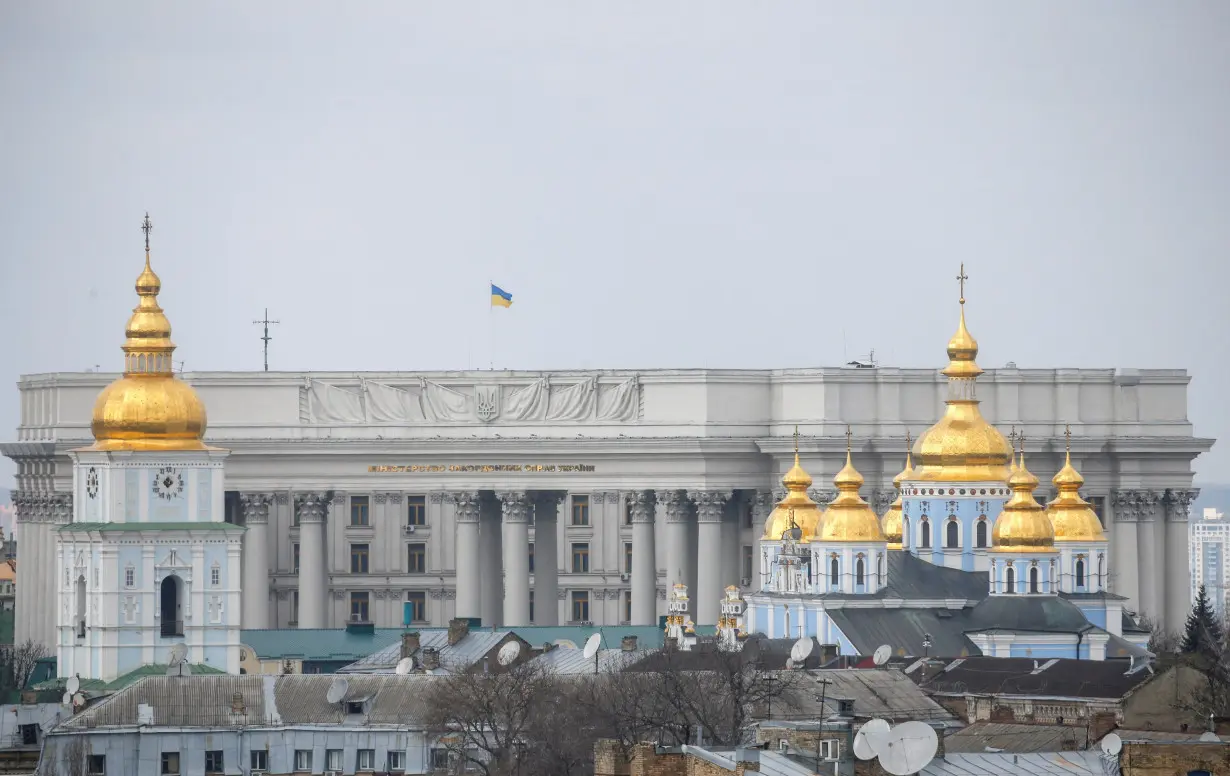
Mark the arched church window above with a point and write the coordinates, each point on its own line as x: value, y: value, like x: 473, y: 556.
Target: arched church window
x: 169, y: 596
x: 1080, y: 572
x: 980, y: 532
x: 834, y: 577
x: 1010, y: 580
x: 952, y: 538
x: 1033, y: 579
x: 215, y: 574
x: 924, y: 533
x: 1101, y: 571
x: 880, y: 567
x: 130, y: 576
x: 859, y: 576
x: 81, y: 606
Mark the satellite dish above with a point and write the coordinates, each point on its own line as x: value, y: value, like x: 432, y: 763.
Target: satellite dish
x: 908, y: 748
x: 179, y: 653
x: 78, y: 700
x: 882, y: 654
x: 871, y: 736
x: 67, y: 699
x: 592, y: 645
x: 789, y: 664
x: 801, y: 649
x: 337, y: 690
x: 1112, y: 744
x: 509, y: 653
x: 404, y: 666
x: 72, y: 685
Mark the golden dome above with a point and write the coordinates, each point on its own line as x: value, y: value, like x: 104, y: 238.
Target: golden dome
x: 1022, y: 524
x: 962, y: 446
x: 1072, y: 518
x: 891, y: 522
x: 797, y: 506
x: 849, y: 518
x: 148, y: 408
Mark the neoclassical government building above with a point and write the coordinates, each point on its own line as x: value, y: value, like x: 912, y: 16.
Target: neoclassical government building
x: 577, y: 496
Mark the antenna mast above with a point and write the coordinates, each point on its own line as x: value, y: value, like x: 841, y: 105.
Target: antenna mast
x: 265, y: 339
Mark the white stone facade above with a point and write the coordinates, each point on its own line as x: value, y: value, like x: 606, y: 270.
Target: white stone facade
x: 492, y: 460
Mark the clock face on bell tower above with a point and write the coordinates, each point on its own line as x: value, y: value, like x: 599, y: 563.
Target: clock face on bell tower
x: 91, y: 482
x: 168, y: 483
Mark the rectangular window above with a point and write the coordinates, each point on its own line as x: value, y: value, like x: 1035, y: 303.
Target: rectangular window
x: 531, y: 557
x: 215, y: 576
x: 439, y: 759
x: 303, y: 760
x: 213, y: 761
x: 627, y: 557
x: 366, y: 761
x: 294, y: 607
x: 397, y: 761
x: 531, y: 606
x: 96, y: 765
x: 580, y: 510
x: 130, y: 577
x: 358, y: 510
x: 358, y: 607
x: 333, y: 760
x: 259, y: 759
x: 170, y: 764
x: 747, y: 516
x: 747, y: 562
x: 627, y: 514
x: 294, y: 550
x: 418, y: 605
x: 417, y: 560
x: 358, y: 559
x: 580, y: 558
x: 580, y: 606
x: 416, y: 510
x: 627, y: 606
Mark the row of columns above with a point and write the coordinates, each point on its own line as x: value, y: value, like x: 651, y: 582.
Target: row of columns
x: 39, y: 517
x: 1149, y: 537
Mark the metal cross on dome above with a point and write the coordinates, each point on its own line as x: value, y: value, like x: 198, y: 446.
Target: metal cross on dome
x: 961, y: 278
x: 147, y: 227
x: 1067, y: 438
x: 848, y: 435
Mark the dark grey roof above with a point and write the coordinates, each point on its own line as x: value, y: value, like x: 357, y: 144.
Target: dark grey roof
x: 904, y: 629
x: 1065, y: 677
x: 912, y: 578
x: 1017, y: 613
x: 1015, y: 737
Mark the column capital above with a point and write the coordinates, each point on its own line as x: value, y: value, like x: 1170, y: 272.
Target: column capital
x: 339, y: 498
x: 710, y: 504
x: 436, y: 497
x: 675, y: 503
x: 640, y: 505
x: 468, y: 505
x: 311, y: 507
x: 380, y: 498
x: 882, y: 499
x: 1179, y: 504
x: 282, y: 497
x: 820, y: 495
x: 1147, y: 502
x: 515, y: 506
x: 255, y: 507
x: 61, y: 508
x: 394, y: 498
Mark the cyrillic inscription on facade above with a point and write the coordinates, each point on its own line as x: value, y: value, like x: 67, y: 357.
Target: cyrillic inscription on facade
x: 532, y: 468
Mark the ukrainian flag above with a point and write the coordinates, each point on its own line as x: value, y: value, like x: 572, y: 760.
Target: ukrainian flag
x: 500, y: 297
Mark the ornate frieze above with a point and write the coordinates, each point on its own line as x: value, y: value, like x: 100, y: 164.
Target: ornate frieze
x: 675, y: 504
x: 255, y: 507
x: 380, y: 498
x: 467, y: 505
x: 394, y: 498
x: 436, y: 497
x: 710, y: 504
x: 820, y: 495
x: 515, y: 505
x: 881, y: 500
x: 640, y: 505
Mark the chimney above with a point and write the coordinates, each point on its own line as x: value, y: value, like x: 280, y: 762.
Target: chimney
x: 747, y: 759
x: 237, y: 705
x: 458, y: 629
x: 628, y: 643
x: 430, y: 658
x: 409, y: 644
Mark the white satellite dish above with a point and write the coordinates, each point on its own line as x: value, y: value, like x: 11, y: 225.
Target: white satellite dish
x: 1112, y: 744
x: 871, y: 736
x: 509, y: 653
x: 404, y: 666
x: 178, y: 653
x: 72, y: 685
x: 882, y: 654
x: 592, y: 645
x: 908, y: 748
x: 337, y: 690
x: 78, y: 699
x: 789, y: 664
x: 67, y: 699
x: 801, y: 650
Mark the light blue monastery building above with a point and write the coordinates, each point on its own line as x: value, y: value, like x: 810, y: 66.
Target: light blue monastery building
x: 964, y: 562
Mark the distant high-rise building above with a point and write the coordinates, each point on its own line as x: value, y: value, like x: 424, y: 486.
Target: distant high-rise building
x: 1210, y: 540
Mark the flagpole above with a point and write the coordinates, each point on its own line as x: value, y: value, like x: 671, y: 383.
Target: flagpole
x: 490, y: 326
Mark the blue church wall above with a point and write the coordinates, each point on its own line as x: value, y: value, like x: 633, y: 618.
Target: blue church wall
x: 216, y: 657
x: 128, y: 659
x: 1094, y: 611
x: 132, y: 492
x: 762, y: 620
x: 1022, y: 567
x: 204, y: 492
x: 1043, y: 650
x: 946, y: 526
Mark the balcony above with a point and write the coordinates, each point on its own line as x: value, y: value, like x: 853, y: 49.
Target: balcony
x: 172, y: 628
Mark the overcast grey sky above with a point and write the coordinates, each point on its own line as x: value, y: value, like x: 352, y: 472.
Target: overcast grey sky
x: 659, y: 184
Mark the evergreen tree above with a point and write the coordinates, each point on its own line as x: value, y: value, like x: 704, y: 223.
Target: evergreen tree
x: 1203, y: 632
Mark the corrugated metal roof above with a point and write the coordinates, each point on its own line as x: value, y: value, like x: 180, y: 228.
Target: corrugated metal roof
x: 905, y: 629
x: 563, y: 660
x: 1066, y: 677
x: 647, y: 636
x: 390, y: 699
x: 317, y: 643
x: 463, y: 654
x: 1038, y: 764
x: 1015, y: 738
x: 885, y: 693
x: 771, y: 763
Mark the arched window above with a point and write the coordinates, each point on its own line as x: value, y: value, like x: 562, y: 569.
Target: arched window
x: 980, y: 533
x: 1033, y: 579
x: 1010, y: 580
x: 81, y: 606
x: 1080, y: 572
x: 906, y: 537
x: 834, y: 577
x: 952, y: 538
x: 169, y: 597
x: 880, y: 567
x: 924, y: 533
x: 859, y: 577
x: 1101, y: 571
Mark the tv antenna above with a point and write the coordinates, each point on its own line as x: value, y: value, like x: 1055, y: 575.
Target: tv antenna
x: 265, y: 339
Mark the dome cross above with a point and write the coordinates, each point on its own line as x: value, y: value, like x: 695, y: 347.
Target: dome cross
x: 147, y: 227
x: 848, y: 435
x: 1067, y: 438
x: 961, y: 278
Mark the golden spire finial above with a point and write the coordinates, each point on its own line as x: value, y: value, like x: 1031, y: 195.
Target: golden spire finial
x: 961, y: 278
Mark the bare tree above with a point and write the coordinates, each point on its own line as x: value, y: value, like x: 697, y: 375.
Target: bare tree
x: 1162, y: 641
x: 19, y: 662
x: 64, y: 756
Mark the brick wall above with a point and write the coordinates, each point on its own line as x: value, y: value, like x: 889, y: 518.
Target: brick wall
x: 1146, y: 759
x: 646, y: 760
x: 1158, y: 704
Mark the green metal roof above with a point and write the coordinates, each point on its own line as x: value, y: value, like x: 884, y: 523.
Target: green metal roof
x: 318, y: 643
x: 120, y: 682
x: 185, y: 526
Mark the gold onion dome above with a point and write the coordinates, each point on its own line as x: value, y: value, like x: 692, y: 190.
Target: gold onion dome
x: 849, y: 518
x: 148, y: 408
x: 891, y: 523
x: 1072, y: 518
x: 1022, y: 524
x: 797, y: 506
x: 962, y: 446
